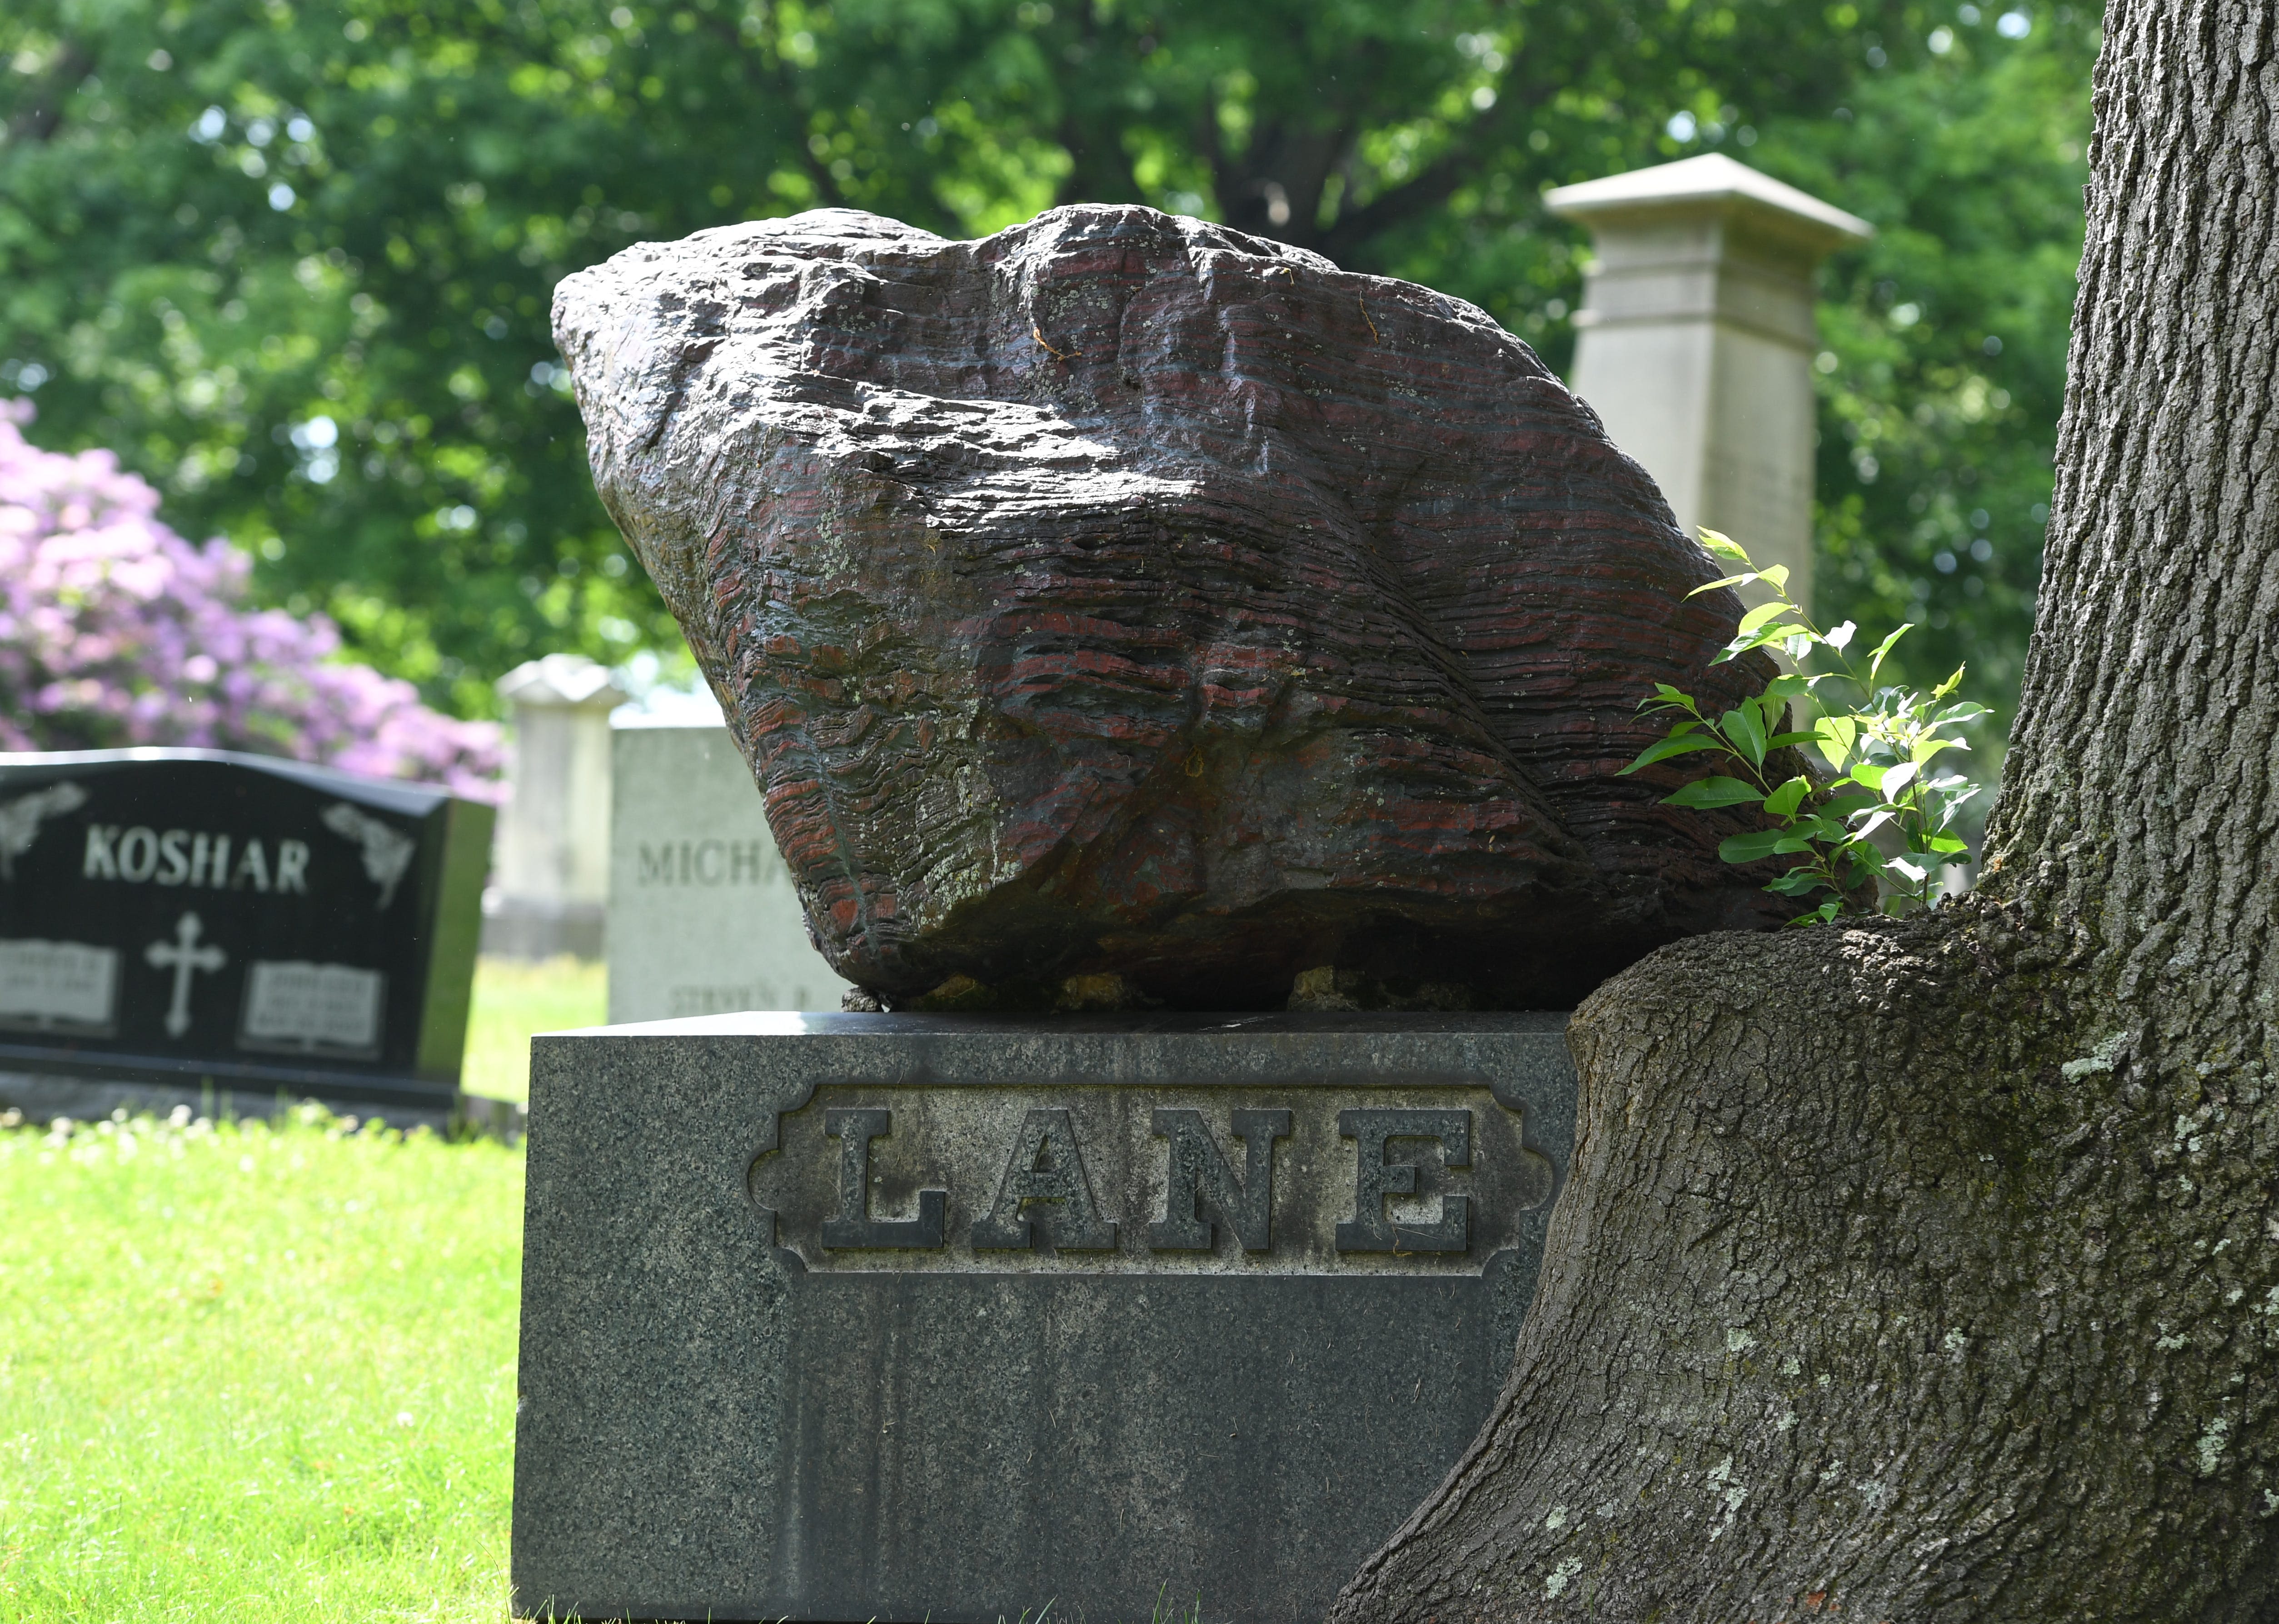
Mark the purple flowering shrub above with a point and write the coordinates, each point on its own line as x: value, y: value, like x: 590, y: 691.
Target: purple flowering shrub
x: 115, y: 631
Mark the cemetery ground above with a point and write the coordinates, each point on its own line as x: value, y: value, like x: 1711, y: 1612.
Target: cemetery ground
x: 256, y: 1371
x: 515, y: 997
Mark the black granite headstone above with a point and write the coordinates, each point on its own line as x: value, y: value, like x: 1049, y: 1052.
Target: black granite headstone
x: 200, y: 919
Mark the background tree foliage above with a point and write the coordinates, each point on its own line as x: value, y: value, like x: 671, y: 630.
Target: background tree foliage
x: 1945, y: 361
x: 293, y: 262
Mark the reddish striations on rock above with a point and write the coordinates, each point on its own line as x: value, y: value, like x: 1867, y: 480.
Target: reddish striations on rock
x: 1123, y: 596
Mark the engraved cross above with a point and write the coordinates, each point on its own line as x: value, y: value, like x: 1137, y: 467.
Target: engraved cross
x: 186, y: 958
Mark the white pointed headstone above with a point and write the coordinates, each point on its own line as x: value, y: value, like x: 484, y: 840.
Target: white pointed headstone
x: 550, y: 876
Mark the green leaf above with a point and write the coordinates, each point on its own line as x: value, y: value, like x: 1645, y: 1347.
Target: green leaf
x: 1746, y: 732
x: 1752, y: 847
x: 1876, y: 817
x: 1788, y: 797
x: 1948, y: 843
x: 1676, y: 744
x: 1870, y: 775
x: 1730, y: 581
x: 1723, y: 547
x: 1777, y: 574
x: 1764, y: 612
x: 1759, y: 639
x: 1710, y: 793
x: 1794, y: 841
x: 1885, y: 647
x: 1865, y: 862
x: 1950, y: 685
x: 1836, y: 734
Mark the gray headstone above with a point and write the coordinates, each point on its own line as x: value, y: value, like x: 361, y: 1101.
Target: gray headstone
x: 703, y: 918
x: 909, y: 1317
x: 199, y: 926
x: 550, y: 884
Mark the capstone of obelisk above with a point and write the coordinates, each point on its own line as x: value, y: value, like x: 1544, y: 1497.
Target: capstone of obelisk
x: 1123, y: 611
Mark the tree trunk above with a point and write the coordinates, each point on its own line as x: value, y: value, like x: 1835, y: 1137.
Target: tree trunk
x: 1930, y: 1270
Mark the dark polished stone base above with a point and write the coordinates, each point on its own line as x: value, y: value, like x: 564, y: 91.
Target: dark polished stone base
x: 62, y: 1082
x: 42, y: 1097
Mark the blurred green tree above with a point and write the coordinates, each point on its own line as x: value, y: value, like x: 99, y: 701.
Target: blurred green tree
x: 1944, y: 366
x: 294, y: 261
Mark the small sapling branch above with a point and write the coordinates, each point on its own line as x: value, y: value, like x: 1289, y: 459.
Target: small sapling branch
x: 1879, y: 747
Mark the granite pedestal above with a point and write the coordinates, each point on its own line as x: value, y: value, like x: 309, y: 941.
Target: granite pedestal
x: 909, y: 1317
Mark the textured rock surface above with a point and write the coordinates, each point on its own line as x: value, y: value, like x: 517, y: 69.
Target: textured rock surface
x: 1121, y: 595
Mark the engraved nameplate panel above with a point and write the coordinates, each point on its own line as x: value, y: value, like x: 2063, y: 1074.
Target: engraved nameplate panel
x: 315, y: 1008
x: 1296, y: 1179
x: 57, y: 987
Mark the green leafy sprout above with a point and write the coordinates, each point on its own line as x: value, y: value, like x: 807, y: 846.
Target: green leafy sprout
x: 1880, y: 750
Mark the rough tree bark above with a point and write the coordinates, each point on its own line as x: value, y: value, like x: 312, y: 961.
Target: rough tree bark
x: 1930, y: 1270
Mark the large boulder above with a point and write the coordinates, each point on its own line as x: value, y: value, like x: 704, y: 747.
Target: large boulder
x: 1125, y: 609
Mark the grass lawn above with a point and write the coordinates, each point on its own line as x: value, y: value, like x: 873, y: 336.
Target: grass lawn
x: 268, y: 1373
x: 254, y: 1374
x: 515, y: 997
